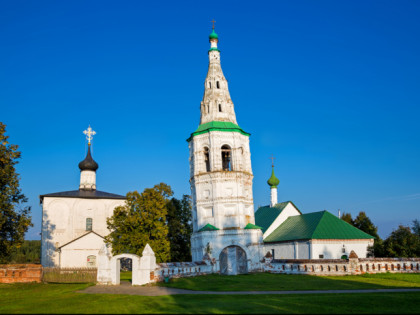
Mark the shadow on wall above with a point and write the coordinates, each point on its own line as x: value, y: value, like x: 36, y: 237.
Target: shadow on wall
x: 326, y: 254
x: 48, y: 249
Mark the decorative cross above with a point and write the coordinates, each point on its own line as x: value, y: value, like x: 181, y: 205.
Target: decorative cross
x: 272, y: 160
x: 89, y: 134
x: 213, y: 21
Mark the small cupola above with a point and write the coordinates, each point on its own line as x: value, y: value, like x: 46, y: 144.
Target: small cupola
x: 273, y: 182
x: 88, y: 166
x: 213, y: 35
x: 213, y: 39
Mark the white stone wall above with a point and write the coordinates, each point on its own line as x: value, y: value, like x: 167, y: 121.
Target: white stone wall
x: 333, y: 249
x: 64, y: 219
x: 221, y: 198
x: 87, y: 179
x: 76, y: 253
x: 289, y: 250
x: 249, y: 240
x: 342, y: 267
x: 330, y: 249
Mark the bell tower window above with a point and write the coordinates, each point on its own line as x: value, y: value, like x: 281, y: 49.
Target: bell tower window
x: 226, y: 158
x: 207, y: 159
x: 88, y: 224
x: 210, y: 85
x: 217, y: 84
x: 220, y: 107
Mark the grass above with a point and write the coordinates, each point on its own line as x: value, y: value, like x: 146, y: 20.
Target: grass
x: 125, y: 275
x: 281, y: 282
x: 63, y: 298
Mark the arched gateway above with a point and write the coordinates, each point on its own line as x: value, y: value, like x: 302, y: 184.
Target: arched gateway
x: 116, y: 266
x: 233, y: 261
x: 109, y: 266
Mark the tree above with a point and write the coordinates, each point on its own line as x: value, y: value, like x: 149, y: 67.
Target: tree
x: 29, y: 252
x: 141, y: 221
x: 416, y: 227
x: 180, y: 228
x: 347, y: 218
x: 362, y: 222
x: 402, y: 243
x: 14, y: 218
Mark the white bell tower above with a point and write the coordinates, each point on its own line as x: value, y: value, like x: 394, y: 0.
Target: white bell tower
x: 221, y: 178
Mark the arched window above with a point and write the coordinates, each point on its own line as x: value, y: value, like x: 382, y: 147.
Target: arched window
x: 217, y: 84
x: 226, y: 158
x: 220, y: 107
x: 88, y: 224
x: 207, y: 158
x: 210, y: 85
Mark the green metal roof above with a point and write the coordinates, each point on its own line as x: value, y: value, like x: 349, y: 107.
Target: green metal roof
x: 217, y: 126
x: 265, y: 216
x: 214, y: 48
x: 315, y: 225
x: 208, y: 227
x: 251, y: 226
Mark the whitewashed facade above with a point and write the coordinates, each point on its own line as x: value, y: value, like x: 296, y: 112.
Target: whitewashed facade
x: 74, y: 222
x: 221, y: 179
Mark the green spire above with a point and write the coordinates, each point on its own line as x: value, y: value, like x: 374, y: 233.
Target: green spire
x: 213, y: 35
x: 273, y: 181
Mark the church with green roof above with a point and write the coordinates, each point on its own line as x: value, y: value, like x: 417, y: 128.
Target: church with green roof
x: 290, y: 234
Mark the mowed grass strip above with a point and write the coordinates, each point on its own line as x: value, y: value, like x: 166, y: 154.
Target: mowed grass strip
x: 63, y: 299
x: 284, y: 282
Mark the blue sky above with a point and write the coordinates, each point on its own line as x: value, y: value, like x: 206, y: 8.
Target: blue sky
x: 330, y: 88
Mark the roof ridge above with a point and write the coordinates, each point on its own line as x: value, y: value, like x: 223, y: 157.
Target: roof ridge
x: 319, y: 221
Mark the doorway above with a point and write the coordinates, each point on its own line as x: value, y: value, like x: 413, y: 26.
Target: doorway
x: 233, y: 261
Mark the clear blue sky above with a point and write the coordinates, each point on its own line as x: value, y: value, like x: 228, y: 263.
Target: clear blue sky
x: 330, y: 88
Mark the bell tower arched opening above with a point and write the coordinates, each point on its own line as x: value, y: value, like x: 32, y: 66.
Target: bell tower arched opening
x: 226, y: 158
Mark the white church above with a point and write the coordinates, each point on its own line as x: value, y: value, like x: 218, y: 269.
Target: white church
x: 226, y: 226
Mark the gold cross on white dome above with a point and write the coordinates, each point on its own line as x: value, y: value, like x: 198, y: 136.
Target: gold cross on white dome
x: 89, y: 134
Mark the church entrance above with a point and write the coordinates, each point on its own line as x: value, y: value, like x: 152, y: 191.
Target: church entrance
x: 233, y: 261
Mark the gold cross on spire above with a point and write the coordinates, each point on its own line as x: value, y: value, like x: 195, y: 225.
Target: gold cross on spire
x: 213, y: 21
x: 89, y: 134
x: 272, y: 160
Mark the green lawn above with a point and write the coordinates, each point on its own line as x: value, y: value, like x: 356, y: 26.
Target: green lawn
x: 63, y: 298
x: 125, y: 275
x: 275, y: 282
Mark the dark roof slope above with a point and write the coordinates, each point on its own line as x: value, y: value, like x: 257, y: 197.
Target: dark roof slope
x: 77, y: 238
x: 265, y: 216
x: 315, y: 225
x: 88, y: 194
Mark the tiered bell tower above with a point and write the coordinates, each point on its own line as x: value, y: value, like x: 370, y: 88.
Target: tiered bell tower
x: 221, y: 179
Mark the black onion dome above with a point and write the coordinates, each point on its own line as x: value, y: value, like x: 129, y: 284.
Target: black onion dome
x: 88, y: 164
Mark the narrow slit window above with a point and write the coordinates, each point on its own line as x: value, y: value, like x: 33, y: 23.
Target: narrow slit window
x: 88, y: 224
x: 217, y: 84
x: 220, y: 107
x: 207, y: 159
x: 210, y: 85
